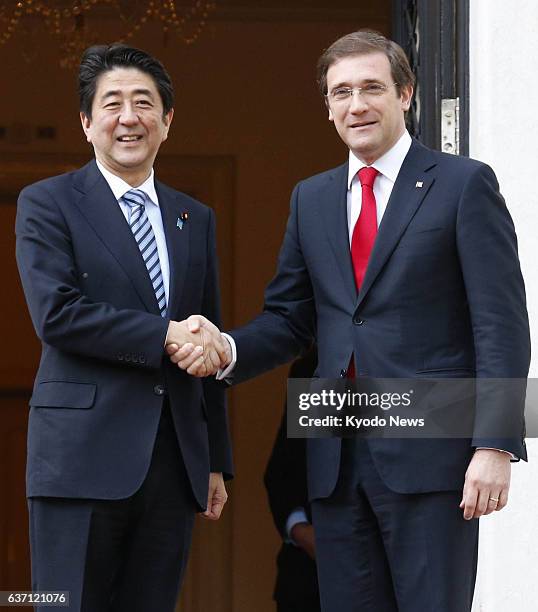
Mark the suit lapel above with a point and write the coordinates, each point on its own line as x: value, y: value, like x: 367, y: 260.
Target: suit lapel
x: 333, y: 210
x: 98, y: 205
x: 412, y: 185
x: 177, y: 231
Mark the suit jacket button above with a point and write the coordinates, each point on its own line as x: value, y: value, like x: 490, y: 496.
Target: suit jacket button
x: 85, y: 275
x: 357, y: 321
x: 158, y: 390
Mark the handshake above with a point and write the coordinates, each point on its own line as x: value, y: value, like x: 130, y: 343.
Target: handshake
x: 197, y: 346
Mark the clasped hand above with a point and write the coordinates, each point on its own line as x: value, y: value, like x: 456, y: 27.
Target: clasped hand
x: 197, y: 346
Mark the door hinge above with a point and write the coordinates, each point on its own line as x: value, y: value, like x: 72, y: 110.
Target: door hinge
x: 450, y: 135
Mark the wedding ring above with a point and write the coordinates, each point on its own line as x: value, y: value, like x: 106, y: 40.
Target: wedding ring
x: 494, y: 499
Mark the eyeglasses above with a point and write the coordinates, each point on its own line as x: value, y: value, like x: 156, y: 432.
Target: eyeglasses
x: 368, y: 92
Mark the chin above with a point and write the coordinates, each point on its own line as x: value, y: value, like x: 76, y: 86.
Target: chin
x: 128, y: 161
x: 363, y: 151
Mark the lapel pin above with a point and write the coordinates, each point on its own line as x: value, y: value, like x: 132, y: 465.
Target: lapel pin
x: 419, y: 184
x: 182, y: 219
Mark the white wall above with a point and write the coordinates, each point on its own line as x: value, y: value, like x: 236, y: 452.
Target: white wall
x: 504, y: 133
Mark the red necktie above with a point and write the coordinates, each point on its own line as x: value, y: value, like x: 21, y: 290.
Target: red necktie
x: 365, y: 229
x: 364, y: 233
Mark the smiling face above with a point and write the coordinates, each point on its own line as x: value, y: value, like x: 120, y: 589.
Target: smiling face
x: 369, y: 126
x: 127, y: 125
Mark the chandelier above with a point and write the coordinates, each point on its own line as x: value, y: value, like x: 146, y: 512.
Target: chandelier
x: 76, y: 24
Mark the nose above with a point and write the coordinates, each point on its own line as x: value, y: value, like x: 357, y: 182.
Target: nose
x: 128, y: 115
x: 357, y: 103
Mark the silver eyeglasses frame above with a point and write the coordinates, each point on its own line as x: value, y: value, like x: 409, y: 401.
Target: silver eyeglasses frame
x: 347, y: 93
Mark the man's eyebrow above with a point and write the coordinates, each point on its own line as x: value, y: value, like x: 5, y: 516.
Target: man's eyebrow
x: 369, y: 81
x: 111, y: 93
x: 143, y: 92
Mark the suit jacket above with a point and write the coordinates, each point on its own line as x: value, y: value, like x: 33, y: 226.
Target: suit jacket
x: 103, y: 374
x: 285, y: 482
x: 443, y: 296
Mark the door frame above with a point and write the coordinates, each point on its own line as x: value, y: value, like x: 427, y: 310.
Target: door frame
x: 435, y: 36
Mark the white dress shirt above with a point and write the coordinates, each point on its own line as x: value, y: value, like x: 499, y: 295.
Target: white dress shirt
x: 388, y: 166
x: 119, y: 188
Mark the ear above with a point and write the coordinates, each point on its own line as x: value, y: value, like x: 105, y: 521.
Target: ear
x: 406, y: 93
x: 86, y: 125
x: 331, y: 116
x: 167, y: 120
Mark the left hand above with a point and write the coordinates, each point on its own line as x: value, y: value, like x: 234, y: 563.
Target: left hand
x: 216, y: 497
x: 486, y: 480
x: 217, y: 353
x: 302, y: 535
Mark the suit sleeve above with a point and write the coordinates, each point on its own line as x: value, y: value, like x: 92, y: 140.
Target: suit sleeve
x: 220, y: 453
x: 62, y: 315
x: 285, y: 476
x: 487, y: 248
x: 287, y: 323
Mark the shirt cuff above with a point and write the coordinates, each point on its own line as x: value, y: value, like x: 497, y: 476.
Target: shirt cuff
x: 500, y: 450
x: 297, y: 516
x: 227, y: 373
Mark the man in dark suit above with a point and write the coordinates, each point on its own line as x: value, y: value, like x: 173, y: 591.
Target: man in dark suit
x: 123, y: 449
x: 402, y: 263
x: 296, y: 588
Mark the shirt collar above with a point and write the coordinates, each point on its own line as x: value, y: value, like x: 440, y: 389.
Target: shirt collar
x: 119, y: 187
x: 388, y: 164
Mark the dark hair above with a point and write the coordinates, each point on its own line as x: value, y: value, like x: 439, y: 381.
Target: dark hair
x: 363, y: 42
x: 102, y: 58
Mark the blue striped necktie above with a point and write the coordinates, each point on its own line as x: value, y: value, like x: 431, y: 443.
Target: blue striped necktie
x: 145, y: 238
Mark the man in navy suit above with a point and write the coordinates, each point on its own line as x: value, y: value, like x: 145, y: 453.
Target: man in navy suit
x: 402, y: 263
x: 123, y: 449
